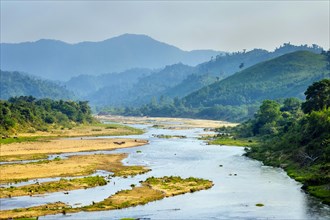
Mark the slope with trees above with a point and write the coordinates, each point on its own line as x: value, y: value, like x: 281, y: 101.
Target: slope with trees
x: 285, y: 76
x: 20, y: 84
x: 237, y: 97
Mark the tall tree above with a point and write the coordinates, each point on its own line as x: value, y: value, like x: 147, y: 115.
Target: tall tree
x: 317, y: 96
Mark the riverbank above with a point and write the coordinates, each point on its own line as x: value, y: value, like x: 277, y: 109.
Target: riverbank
x: 314, y: 177
x: 150, y: 190
x: 98, y: 129
x: 40, y: 149
x: 167, y: 123
x: 73, y: 166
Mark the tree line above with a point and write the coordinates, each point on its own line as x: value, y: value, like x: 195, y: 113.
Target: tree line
x: 26, y: 113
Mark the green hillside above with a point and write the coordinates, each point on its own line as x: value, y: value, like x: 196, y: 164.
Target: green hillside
x: 238, y: 97
x: 19, y: 84
x: 286, y: 76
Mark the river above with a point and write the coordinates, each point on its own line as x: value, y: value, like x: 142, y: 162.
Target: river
x: 239, y: 184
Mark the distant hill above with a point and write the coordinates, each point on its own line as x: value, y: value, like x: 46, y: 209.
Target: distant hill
x: 14, y: 84
x: 139, y: 90
x: 58, y: 60
x: 286, y: 76
x: 87, y: 85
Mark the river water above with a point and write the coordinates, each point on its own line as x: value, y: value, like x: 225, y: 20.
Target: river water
x: 239, y: 184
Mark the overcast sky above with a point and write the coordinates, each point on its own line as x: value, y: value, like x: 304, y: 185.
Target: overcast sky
x: 219, y: 25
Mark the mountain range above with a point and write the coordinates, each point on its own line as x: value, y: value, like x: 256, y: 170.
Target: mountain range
x: 57, y: 60
x: 223, y: 81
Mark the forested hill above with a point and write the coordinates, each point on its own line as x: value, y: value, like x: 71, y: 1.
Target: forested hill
x: 286, y: 76
x: 237, y: 97
x: 19, y: 84
x: 223, y: 66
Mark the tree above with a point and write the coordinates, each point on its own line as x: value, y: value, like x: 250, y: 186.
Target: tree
x: 317, y: 96
x: 267, y: 117
x: 241, y: 65
x: 291, y: 105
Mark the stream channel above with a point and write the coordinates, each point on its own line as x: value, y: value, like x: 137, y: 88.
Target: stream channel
x: 239, y: 184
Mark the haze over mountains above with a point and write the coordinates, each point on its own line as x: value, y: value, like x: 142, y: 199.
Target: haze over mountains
x: 57, y: 60
x: 237, y: 97
x: 133, y: 70
x: 172, y: 81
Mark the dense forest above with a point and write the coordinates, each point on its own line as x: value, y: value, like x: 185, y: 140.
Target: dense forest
x: 238, y: 97
x: 295, y: 136
x: 27, y: 113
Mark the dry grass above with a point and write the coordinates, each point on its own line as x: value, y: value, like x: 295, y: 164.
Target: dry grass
x: 172, y: 123
x: 28, y: 150
x: 172, y: 186
x: 49, y: 209
x: 74, y: 166
x: 54, y: 186
x: 85, y: 130
x: 10, y: 158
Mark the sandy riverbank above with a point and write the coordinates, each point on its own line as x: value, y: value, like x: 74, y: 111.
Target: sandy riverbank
x: 73, y: 166
x: 151, y: 190
x: 31, y: 150
x: 168, y: 123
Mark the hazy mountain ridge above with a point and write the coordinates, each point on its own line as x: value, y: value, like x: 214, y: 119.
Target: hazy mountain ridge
x: 87, y: 85
x: 58, y: 60
x: 20, y: 84
x: 143, y: 89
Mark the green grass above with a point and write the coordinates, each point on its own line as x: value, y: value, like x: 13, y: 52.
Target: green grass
x: 23, y: 157
x: 19, y: 140
x: 169, y: 136
x: 231, y: 141
x: 321, y: 191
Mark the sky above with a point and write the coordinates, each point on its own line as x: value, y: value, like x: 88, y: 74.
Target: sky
x: 219, y: 25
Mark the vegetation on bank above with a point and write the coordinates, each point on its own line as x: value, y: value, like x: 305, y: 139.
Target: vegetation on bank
x: 24, y: 119
x: 150, y: 190
x: 27, y: 114
x: 295, y: 136
x: 54, y: 186
x: 233, y: 141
